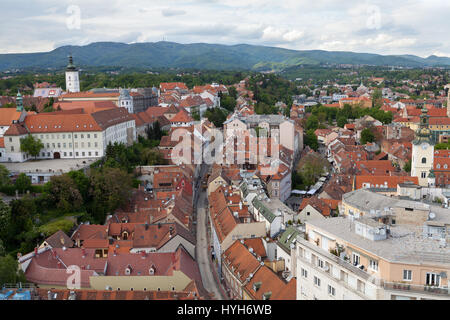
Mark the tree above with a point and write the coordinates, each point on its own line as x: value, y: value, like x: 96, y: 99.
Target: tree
x: 367, y: 136
x: 232, y: 92
x: 5, y: 219
x: 152, y: 157
x: 407, y: 166
x: 4, y: 176
x: 48, y: 107
x: 312, y: 123
x: 23, y: 183
x: 64, y: 193
x: 31, y: 145
x: 216, y: 116
x: 228, y: 103
x: 9, y: 271
x: 81, y: 181
x: 341, y: 121
x: 109, y: 189
x: 311, y: 140
x: 196, y: 115
x: 377, y: 98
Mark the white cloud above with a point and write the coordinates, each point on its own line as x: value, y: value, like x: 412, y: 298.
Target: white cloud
x: 172, y: 12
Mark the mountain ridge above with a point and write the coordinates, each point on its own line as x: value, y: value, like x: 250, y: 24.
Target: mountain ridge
x: 165, y: 54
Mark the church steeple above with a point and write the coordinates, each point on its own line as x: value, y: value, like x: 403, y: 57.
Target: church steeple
x: 71, y: 66
x: 19, y: 102
x: 423, y: 134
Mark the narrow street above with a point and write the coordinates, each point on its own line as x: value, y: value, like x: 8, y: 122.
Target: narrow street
x: 202, y: 248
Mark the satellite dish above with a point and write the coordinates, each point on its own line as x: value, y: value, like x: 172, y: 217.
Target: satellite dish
x: 432, y: 215
x: 382, y: 231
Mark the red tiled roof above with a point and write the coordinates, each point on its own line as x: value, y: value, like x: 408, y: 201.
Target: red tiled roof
x: 240, y: 261
x: 181, y: 116
x: 439, y: 121
x: 383, y: 181
x: 269, y: 282
x: 164, y: 86
x: 8, y: 115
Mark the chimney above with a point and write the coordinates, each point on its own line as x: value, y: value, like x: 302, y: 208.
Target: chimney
x: 83, y: 252
x: 143, y: 254
x: 36, y: 251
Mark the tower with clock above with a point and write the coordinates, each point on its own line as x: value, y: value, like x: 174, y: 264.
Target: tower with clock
x: 423, y: 152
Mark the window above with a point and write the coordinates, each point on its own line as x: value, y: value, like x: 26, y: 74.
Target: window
x: 10, y: 139
x: 304, y: 273
x: 424, y: 160
x: 373, y: 265
x: 12, y: 148
x: 356, y: 259
x: 331, y: 291
x: 320, y: 263
x: 433, y: 279
x: 423, y: 174
x: 407, y: 275
x: 82, y: 136
x: 316, y: 281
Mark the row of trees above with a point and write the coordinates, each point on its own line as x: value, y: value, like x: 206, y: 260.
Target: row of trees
x: 321, y: 115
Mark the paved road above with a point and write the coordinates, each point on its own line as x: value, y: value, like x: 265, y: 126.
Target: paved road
x: 202, y: 249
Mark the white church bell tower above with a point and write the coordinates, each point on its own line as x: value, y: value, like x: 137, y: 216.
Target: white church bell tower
x: 72, y: 77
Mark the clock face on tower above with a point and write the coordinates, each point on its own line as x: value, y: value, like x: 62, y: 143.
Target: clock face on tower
x: 424, y: 146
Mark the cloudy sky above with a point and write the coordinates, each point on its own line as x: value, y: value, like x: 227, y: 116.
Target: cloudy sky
x: 420, y: 27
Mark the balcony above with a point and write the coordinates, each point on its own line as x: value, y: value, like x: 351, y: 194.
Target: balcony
x: 413, y: 288
x: 362, y: 277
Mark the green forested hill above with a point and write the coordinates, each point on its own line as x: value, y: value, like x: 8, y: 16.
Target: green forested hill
x: 202, y: 56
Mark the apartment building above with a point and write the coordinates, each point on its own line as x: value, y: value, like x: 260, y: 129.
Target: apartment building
x: 343, y: 258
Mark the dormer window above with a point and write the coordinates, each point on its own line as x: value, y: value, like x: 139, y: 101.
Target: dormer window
x: 128, y: 270
x: 438, y: 166
x: 445, y: 166
x: 151, y: 271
